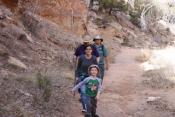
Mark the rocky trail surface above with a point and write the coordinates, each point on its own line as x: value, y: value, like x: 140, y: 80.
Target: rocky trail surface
x: 125, y: 94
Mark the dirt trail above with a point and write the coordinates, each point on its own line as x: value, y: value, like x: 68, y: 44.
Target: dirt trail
x: 124, y: 94
x: 121, y: 86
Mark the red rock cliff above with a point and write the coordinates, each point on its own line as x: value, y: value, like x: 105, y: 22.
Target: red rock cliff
x: 69, y: 14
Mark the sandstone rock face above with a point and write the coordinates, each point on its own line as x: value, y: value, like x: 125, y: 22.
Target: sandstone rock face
x: 47, y: 30
x: 32, y: 40
x: 70, y: 14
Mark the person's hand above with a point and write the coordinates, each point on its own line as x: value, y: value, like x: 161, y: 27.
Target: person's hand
x: 72, y: 92
x: 76, y: 78
x: 98, y: 96
x: 106, y: 66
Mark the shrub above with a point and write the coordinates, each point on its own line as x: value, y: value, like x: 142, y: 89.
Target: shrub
x: 44, y: 85
x: 157, y: 79
x: 119, y: 4
x: 135, y: 16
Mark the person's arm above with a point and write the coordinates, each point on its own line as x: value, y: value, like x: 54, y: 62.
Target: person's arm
x: 98, y: 59
x: 96, y: 53
x: 95, y: 61
x: 76, y: 61
x: 78, y: 66
x: 106, y: 53
x: 106, y: 63
x: 98, y: 96
x: 76, y: 54
x: 80, y: 84
x: 99, y: 89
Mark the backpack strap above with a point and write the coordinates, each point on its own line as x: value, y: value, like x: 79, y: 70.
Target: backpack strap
x: 93, y: 45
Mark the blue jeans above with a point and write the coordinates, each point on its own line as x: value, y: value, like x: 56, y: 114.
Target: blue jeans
x: 82, y: 93
x: 90, y: 104
x: 81, y: 90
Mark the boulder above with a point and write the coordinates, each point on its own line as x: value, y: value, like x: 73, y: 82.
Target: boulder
x: 27, y: 37
x: 152, y: 99
x: 15, y: 32
x: 3, y: 50
x: 116, y: 25
x: 124, y: 21
x: 4, y: 13
x: 16, y: 62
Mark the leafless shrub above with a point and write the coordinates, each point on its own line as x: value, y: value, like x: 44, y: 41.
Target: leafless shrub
x: 157, y: 79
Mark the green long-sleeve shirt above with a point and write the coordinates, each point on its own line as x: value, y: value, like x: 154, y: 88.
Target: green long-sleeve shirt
x: 92, y: 86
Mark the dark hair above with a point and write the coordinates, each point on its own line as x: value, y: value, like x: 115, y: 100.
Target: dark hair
x: 98, y: 39
x: 89, y: 46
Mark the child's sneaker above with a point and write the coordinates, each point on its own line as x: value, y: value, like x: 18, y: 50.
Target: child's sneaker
x: 83, y: 111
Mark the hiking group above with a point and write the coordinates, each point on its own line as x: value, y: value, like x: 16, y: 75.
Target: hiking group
x: 91, y: 62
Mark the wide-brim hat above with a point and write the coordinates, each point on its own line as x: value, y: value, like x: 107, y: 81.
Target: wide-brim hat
x: 98, y: 37
x: 87, y: 38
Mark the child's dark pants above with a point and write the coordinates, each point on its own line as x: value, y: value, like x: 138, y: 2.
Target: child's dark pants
x: 90, y: 106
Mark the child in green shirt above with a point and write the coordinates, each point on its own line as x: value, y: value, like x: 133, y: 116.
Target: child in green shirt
x: 93, y: 89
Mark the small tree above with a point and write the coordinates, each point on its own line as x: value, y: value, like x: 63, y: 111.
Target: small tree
x: 110, y: 4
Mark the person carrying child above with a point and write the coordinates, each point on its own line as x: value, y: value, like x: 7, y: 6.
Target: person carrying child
x: 93, y: 89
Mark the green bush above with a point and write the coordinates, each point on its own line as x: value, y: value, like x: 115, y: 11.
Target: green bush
x: 135, y: 15
x: 109, y: 4
x: 121, y: 5
x: 44, y: 85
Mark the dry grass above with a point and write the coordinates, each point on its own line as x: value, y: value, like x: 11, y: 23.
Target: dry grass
x: 43, y: 94
x: 159, y: 68
x: 44, y: 85
x: 157, y: 79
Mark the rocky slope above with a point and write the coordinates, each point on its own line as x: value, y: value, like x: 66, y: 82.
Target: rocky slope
x: 31, y: 44
x: 27, y: 41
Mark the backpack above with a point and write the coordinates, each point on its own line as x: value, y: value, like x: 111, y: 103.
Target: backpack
x: 93, y: 45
